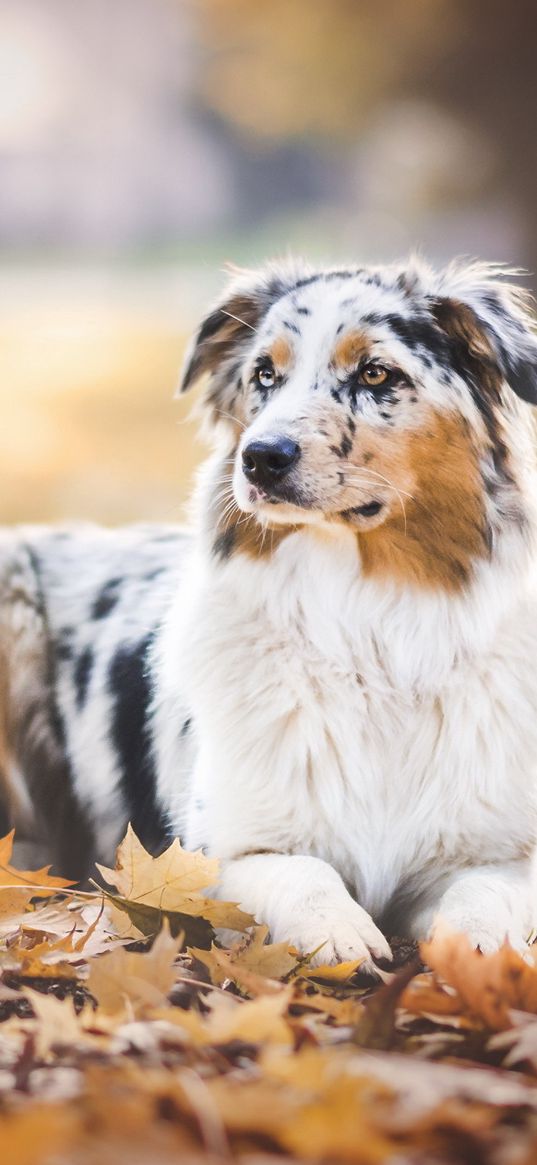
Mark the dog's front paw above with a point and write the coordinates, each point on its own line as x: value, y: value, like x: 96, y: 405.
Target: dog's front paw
x: 336, y: 935
x: 486, y: 934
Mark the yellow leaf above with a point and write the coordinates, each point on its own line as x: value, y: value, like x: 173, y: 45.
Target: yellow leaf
x: 256, y: 1021
x: 250, y: 963
x: 30, y: 1136
x: 17, y: 887
x: 162, y: 881
x: 339, y: 973
x: 170, y: 883
x: 337, y: 1124
x: 56, y: 1023
x: 488, y: 986
x: 261, y: 1022
x: 133, y: 982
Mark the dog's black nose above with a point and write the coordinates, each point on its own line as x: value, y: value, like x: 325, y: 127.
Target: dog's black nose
x: 266, y: 462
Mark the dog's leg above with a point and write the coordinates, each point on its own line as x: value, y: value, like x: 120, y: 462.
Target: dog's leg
x: 304, y: 901
x: 489, y: 904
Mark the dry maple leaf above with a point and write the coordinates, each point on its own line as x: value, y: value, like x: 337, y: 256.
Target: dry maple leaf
x: 259, y: 1022
x: 57, y: 958
x: 340, y: 1124
x: 253, y: 964
x: 487, y: 985
x: 18, y: 887
x: 332, y: 973
x: 132, y: 982
x: 159, y: 881
x: 169, y: 884
x: 56, y: 1023
x: 30, y: 1136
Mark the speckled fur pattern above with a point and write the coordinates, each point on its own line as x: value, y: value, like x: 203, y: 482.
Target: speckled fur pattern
x: 79, y: 607
x: 333, y: 679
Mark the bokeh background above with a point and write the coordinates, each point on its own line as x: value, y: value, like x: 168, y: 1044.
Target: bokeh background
x: 145, y: 143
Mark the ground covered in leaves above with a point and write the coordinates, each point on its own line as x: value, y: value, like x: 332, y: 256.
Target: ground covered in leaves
x: 131, y: 1032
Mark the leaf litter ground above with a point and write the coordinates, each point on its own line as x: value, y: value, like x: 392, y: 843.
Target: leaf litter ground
x: 145, y: 1022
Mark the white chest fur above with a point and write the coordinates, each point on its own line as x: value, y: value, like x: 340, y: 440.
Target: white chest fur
x: 392, y: 734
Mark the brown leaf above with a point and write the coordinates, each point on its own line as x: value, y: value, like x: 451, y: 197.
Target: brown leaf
x: 18, y: 887
x: 29, y: 1137
x: 340, y: 1124
x: 56, y: 1023
x: 170, y: 884
x: 488, y: 985
x: 146, y: 921
x: 251, y: 963
x: 336, y: 973
x: 132, y: 982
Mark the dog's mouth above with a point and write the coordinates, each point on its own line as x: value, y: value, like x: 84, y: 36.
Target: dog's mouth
x: 287, y: 504
x: 367, y: 510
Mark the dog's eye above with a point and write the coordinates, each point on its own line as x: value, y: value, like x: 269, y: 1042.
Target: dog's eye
x: 374, y: 375
x: 265, y: 376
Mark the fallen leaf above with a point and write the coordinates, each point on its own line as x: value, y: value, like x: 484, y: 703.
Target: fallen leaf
x: 133, y: 982
x: 169, y: 886
x: 251, y: 963
x: 487, y: 985
x: 18, y: 887
x: 31, y: 1137
x: 56, y: 1023
x: 336, y: 973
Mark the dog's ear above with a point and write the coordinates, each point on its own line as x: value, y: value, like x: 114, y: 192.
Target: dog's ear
x: 227, y: 329
x: 490, y: 326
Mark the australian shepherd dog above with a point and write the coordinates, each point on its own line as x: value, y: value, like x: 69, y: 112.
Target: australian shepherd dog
x: 331, y: 682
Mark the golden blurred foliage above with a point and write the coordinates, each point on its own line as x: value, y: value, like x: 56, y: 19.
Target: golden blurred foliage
x: 288, y: 68
x: 89, y: 428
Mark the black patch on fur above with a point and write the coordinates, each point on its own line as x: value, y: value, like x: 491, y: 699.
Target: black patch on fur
x: 153, y: 574
x: 479, y: 373
x: 224, y: 544
x: 82, y: 675
x: 323, y: 277
x: 344, y: 448
x: 129, y: 684
x: 64, y: 644
x: 106, y: 599
x: 366, y: 511
x: 416, y: 331
x: 291, y: 327
x: 186, y: 726
x: 5, y: 821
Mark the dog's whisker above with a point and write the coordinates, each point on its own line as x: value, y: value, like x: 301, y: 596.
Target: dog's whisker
x: 230, y: 417
x: 381, y: 477
x: 363, y: 481
x: 244, y: 323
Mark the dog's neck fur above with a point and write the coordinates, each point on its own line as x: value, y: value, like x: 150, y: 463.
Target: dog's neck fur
x: 314, y: 576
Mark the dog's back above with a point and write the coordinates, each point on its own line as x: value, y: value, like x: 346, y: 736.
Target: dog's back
x: 78, y: 609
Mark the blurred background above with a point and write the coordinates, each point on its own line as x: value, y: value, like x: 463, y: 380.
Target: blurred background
x: 145, y: 143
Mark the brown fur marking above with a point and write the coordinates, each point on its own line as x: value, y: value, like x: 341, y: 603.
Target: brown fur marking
x: 349, y: 350
x: 445, y: 530
x: 281, y: 353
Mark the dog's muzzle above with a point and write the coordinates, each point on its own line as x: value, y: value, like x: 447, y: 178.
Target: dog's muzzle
x: 267, y: 463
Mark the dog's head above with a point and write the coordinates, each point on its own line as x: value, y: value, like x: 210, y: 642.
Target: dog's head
x: 381, y: 399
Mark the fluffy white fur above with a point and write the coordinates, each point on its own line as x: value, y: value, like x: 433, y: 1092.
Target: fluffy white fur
x: 359, y: 749
x: 365, y: 749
